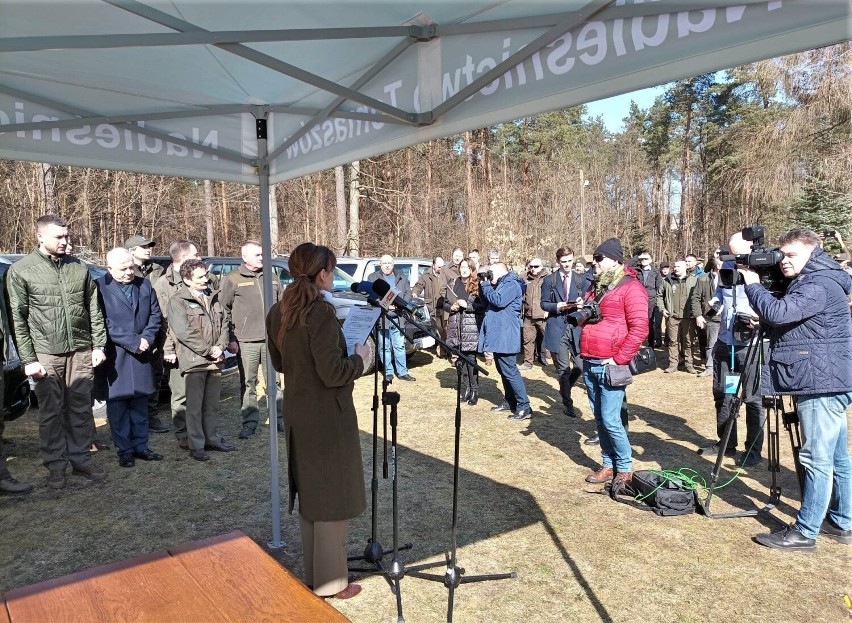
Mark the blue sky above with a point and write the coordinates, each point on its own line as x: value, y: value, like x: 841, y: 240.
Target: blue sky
x: 614, y: 109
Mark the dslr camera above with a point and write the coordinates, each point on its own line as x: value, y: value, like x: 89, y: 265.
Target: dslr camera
x: 485, y: 273
x: 590, y: 313
x: 762, y: 260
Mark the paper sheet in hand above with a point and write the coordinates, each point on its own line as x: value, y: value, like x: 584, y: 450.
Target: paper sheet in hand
x: 358, y: 324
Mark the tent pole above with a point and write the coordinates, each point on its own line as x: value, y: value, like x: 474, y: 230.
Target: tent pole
x: 270, y: 372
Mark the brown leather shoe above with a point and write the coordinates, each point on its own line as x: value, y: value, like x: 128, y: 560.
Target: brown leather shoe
x: 199, y: 455
x: 220, y: 446
x: 348, y: 593
x: 604, y: 474
x: 621, y: 479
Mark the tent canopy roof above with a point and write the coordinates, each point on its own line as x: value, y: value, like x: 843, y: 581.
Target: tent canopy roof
x: 176, y: 87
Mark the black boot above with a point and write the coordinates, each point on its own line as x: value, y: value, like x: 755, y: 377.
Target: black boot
x: 465, y: 389
x: 474, y: 391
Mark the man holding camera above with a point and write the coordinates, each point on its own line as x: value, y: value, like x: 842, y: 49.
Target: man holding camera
x: 810, y: 357
x: 501, y: 335
x: 736, y: 332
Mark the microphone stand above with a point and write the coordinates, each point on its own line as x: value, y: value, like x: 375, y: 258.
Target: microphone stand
x: 453, y: 575
x: 373, y: 552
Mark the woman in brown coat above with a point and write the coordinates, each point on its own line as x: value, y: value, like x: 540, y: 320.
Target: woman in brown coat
x: 323, y: 443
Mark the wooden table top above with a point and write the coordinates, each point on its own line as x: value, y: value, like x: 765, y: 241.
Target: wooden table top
x: 226, y: 578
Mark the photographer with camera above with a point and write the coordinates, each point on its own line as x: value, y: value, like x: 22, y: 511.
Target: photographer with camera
x: 810, y: 357
x: 615, y: 322
x: 501, y: 335
x: 736, y: 331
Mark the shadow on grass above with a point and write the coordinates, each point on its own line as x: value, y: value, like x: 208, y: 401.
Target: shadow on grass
x: 486, y: 508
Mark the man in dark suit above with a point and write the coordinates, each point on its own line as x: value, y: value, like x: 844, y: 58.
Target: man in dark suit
x: 390, y: 338
x: 559, y: 294
x: 126, y: 379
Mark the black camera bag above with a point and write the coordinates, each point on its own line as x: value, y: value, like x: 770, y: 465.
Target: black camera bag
x: 653, y: 491
x: 643, y: 361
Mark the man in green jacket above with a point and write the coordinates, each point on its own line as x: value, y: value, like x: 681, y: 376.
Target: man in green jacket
x: 241, y: 296
x: 675, y: 301
x: 166, y: 287
x: 140, y: 250
x: 60, y: 334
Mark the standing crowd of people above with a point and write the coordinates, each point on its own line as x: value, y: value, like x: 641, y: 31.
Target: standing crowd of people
x: 115, y: 337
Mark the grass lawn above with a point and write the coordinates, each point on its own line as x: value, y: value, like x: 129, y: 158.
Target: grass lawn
x: 524, y: 507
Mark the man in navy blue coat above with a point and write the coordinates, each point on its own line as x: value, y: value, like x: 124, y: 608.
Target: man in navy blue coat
x: 810, y: 357
x: 501, y: 335
x: 559, y: 291
x: 126, y: 379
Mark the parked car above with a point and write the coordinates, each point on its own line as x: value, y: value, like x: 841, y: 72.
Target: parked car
x: 343, y: 298
x: 16, y: 387
x: 359, y: 268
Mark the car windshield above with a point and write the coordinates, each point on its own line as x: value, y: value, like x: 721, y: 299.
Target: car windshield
x: 342, y: 281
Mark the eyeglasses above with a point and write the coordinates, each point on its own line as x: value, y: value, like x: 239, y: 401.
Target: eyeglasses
x: 535, y: 265
x: 598, y: 258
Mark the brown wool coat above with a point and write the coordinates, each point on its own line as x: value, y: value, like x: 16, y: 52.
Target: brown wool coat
x: 323, y: 444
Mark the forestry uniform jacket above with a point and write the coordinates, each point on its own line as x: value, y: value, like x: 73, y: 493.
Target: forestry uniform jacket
x: 624, y: 321
x: 676, y: 295
x: 196, y: 327
x: 809, y: 329
x: 428, y: 288
x: 149, y: 270
x: 241, y: 295
x: 165, y: 288
x: 54, y: 306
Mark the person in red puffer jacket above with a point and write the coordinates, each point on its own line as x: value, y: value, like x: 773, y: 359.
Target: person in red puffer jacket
x: 613, y: 340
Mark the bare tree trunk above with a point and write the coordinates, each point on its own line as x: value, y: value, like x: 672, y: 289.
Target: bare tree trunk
x: 208, y: 215
x: 48, y: 180
x: 354, y: 205
x: 273, y: 217
x: 686, y: 220
x: 226, y: 234
x: 340, y: 196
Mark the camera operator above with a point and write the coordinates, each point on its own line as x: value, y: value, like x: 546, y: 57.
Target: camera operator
x: 810, y: 357
x: 501, y: 335
x: 736, y: 330
x: 610, y: 339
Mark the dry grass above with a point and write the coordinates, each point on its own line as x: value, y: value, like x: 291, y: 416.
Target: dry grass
x: 523, y: 507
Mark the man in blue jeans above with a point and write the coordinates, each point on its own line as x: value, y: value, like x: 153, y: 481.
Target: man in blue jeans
x: 501, y: 335
x: 810, y: 357
x: 391, y: 340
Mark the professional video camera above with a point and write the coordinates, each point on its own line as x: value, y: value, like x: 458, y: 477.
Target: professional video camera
x: 765, y: 262
x: 590, y: 313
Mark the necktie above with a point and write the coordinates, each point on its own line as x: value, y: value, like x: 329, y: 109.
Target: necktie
x: 565, y: 286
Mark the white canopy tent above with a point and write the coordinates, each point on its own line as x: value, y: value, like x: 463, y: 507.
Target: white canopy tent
x: 260, y: 91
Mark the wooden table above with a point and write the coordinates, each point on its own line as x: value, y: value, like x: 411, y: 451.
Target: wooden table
x: 223, y: 579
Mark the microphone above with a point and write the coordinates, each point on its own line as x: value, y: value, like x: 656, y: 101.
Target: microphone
x: 382, y: 288
x: 364, y: 287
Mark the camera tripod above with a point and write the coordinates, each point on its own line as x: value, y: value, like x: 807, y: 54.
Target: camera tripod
x: 776, y: 413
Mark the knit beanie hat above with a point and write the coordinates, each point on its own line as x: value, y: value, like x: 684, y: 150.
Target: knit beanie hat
x: 611, y: 248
